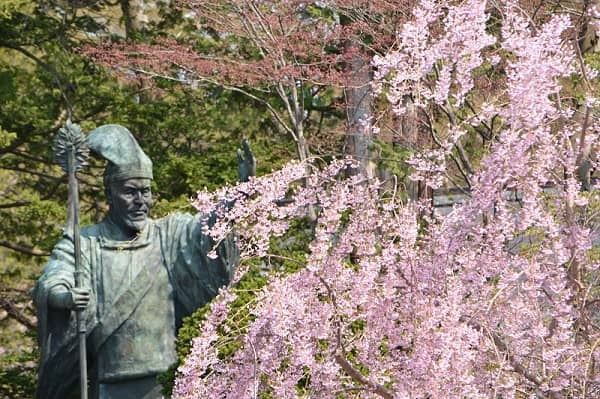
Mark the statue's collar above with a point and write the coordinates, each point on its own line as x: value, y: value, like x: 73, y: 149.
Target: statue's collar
x: 108, y: 231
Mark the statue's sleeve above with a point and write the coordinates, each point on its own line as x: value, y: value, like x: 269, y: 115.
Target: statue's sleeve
x: 197, y: 278
x: 57, y: 330
x: 59, y: 270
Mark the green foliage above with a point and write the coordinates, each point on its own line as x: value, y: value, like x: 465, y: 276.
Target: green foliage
x: 18, y: 365
x: 163, y: 207
x: 392, y: 158
x: 593, y: 59
x: 18, y: 375
x: 288, y: 252
x: 31, y: 221
x: 318, y: 10
x: 288, y: 255
x: 358, y: 326
x: 192, y: 137
x: 6, y: 137
x: 246, y: 290
x: 10, y: 7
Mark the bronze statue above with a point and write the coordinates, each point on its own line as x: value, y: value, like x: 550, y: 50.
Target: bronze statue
x: 138, y: 278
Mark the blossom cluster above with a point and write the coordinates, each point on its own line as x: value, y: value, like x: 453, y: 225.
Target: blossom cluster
x: 497, y: 299
x: 251, y: 208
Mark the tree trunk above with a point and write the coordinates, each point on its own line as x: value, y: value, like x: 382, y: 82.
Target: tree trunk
x: 408, y: 127
x: 127, y: 18
x: 588, y: 43
x: 359, y: 110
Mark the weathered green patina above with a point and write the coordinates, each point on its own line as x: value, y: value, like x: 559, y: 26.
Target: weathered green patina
x: 140, y: 278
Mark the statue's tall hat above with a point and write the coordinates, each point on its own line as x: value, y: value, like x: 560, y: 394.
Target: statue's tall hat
x: 116, y: 144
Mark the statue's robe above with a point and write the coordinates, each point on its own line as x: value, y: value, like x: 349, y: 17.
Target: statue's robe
x: 140, y: 291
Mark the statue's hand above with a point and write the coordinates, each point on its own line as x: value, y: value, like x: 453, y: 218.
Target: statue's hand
x: 246, y: 162
x: 62, y: 297
x: 80, y: 298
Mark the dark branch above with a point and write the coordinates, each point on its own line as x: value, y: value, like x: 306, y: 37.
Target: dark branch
x: 30, y: 157
x: 46, y: 197
x: 16, y: 314
x: 358, y: 377
x: 31, y: 172
x: 23, y: 249
x: 49, y: 68
x: 15, y: 204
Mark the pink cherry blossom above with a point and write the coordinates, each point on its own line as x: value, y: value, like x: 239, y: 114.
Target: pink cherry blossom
x: 496, y: 299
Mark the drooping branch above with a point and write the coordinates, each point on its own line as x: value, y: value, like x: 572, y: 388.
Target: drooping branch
x: 358, y: 377
x: 15, y: 204
x: 459, y: 148
x: 278, y: 118
x: 464, y: 173
x: 340, y: 356
x: 501, y: 345
x: 32, y: 172
x: 49, y: 68
x: 23, y: 248
x: 16, y: 314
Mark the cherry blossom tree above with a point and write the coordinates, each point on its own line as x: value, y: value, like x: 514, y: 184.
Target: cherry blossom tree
x: 307, y: 63
x: 498, y: 299
x: 264, y: 50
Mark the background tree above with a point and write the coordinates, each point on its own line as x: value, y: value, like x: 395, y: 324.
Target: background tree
x: 43, y: 81
x: 307, y: 63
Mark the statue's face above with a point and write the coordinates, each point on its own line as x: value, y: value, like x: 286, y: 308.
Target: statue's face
x: 130, y: 203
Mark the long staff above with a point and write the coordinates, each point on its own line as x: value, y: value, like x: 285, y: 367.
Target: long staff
x: 71, y: 153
